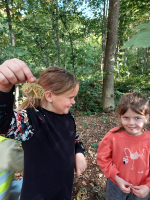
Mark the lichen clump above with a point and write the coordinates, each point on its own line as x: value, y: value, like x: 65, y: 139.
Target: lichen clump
x: 33, y: 90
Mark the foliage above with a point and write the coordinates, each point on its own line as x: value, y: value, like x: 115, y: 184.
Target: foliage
x: 34, y: 26
x: 134, y: 83
x: 89, y: 97
x: 141, y: 39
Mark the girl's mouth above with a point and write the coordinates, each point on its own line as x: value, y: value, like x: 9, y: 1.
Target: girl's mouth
x: 131, y: 128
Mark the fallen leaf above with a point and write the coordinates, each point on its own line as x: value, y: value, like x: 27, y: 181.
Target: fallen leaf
x: 84, y: 183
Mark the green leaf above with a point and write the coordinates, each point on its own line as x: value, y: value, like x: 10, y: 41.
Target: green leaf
x: 141, y: 39
x: 143, y: 26
x: 94, y: 145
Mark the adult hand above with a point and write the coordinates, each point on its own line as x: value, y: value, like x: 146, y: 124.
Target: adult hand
x: 14, y: 71
x: 140, y: 191
x: 123, y: 185
x: 80, y: 164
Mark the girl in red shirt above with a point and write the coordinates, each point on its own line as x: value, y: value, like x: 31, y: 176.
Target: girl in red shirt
x: 124, y: 153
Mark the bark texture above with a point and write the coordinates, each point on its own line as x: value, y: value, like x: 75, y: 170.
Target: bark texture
x: 108, y: 72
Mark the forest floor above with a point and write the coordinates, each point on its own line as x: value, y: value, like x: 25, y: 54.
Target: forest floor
x: 92, y: 183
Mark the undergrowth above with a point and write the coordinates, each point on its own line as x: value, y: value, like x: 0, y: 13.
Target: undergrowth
x: 89, y: 99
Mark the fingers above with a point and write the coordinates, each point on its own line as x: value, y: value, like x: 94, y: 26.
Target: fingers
x: 140, y: 191
x: 127, y: 190
x: 80, y: 164
x: 3, y: 79
x: 25, y: 74
x: 14, y: 71
x: 128, y: 184
x: 135, y: 191
x: 123, y: 185
x: 78, y: 173
x: 10, y: 76
x: 135, y: 187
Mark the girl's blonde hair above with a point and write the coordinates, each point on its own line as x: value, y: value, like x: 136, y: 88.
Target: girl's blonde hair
x: 54, y: 79
x: 134, y: 101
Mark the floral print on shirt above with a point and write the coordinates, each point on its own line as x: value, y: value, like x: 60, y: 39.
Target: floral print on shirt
x: 20, y: 129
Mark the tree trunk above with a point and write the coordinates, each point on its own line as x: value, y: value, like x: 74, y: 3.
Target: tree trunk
x: 125, y: 60
x: 108, y: 72
x: 103, y: 35
x: 57, y: 34
x: 65, y: 52
x: 146, y: 58
x: 12, y: 37
x: 71, y: 42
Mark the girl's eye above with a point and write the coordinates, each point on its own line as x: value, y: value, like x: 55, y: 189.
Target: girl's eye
x: 138, y: 118
x: 125, y: 117
x: 71, y: 97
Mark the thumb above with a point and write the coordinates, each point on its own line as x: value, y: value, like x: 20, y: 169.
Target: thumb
x: 128, y: 184
x: 135, y: 187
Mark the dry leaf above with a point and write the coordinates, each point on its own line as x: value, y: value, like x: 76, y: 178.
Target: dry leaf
x: 92, y: 184
x: 84, y: 183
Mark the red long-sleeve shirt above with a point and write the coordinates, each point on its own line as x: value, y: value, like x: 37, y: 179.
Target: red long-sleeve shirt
x: 125, y: 155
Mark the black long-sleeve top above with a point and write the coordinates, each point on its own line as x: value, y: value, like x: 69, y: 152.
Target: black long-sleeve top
x: 49, y: 141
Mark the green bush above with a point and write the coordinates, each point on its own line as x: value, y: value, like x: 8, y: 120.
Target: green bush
x: 89, y: 99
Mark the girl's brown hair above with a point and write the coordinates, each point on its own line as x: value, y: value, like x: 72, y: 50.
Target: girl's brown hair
x: 134, y: 101
x: 54, y: 79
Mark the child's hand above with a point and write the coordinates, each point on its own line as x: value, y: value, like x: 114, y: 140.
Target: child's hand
x: 140, y: 191
x: 14, y: 71
x: 80, y: 164
x: 123, y: 185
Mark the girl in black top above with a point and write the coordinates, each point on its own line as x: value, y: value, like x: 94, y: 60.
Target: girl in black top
x: 46, y: 128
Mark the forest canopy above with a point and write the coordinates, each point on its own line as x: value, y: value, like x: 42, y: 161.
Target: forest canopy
x: 73, y: 35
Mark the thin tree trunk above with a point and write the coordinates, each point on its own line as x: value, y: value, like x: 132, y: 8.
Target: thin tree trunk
x: 65, y: 52
x: 146, y: 59
x: 103, y: 36
x: 125, y: 57
x: 57, y: 34
x: 12, y: 37
x: 71, y: 42
x: 138, y: 56
x: 108, y: 72
x: 117, y: 61
x: 144, y: 56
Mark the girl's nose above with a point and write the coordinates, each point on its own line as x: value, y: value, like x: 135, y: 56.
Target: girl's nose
x: 73, y: 101
x: 131, y: 121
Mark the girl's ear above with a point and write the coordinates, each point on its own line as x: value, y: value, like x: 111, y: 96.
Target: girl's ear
x: 147, y: 118
x: 48, y: 96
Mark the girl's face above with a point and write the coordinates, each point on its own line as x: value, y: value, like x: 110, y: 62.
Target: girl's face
x: 133, y: 122
x: 61, y: 104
